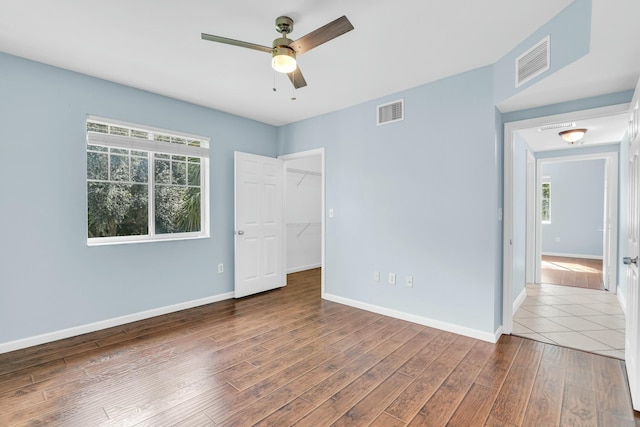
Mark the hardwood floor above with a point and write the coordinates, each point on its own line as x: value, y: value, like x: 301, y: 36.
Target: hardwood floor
x: 576, y: 272
x: 288, y: 358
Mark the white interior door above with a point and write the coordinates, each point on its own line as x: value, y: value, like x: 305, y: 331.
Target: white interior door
x: 632, y: 345
x: 259, y: 227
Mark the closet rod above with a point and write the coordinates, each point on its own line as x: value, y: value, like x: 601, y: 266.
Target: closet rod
x: 304, y: 172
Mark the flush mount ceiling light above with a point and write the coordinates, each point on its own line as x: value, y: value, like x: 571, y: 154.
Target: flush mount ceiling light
x: 573, y: 135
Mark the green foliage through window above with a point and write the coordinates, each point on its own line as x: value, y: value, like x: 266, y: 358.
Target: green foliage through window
x: 138, y: 192
x: 546, y: 202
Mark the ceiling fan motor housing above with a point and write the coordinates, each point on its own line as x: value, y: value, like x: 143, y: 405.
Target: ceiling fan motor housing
x: 284, y: 24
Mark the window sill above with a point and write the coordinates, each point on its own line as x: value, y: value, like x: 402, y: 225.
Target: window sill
x: 108, y: 241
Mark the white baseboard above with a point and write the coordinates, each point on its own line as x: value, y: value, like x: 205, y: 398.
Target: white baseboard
x: 109, y: 323
x: 303, y: 268
x: 518, y: 302
x: 622, y: 300
x: 582, y: 256
x: 449, y: 327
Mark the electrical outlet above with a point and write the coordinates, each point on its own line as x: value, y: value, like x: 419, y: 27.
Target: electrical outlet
x: 331, y: 213
x: 220, y: 268
x: 392, y: 278
x: 376, y: 276
x: 409, y: 281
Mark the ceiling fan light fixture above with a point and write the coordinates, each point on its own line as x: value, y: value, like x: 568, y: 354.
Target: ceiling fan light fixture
x: 284, y: 59
x: 573, y: 135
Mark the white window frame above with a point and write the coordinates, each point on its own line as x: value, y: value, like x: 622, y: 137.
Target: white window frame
x: 153, y: 147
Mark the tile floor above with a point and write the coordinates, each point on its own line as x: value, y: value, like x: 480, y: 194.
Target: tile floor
x: 585, y: 319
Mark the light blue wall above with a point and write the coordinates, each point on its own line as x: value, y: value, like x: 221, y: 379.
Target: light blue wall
x: 519, y: 279
x: 577, y: 208
x: 49, y: 279
x: 418, y: 197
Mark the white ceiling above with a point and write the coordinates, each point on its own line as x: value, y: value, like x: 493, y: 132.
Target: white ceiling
x: 600, y: 130
x: 155, y: 45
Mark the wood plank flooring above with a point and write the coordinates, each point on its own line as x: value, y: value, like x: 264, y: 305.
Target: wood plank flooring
x: 567, y: 271
x: 286, y: 357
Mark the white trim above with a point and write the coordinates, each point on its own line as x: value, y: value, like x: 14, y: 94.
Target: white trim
x: 444, y: 326
x: 530, y: 215
x: 312, y: 153
x: 304, y: 268
x: 109, y: 323
x: 139, y: 144
x: 518, y: 302
x: 623, y: 302
x: 581, y: 256
x: 144, y: 127
x: 508, y: 139
x: 609, y: 209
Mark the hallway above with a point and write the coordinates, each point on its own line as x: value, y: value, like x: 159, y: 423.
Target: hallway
x: 584, y: 319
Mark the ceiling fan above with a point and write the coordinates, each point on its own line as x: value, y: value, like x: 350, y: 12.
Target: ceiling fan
x: 285, y: 50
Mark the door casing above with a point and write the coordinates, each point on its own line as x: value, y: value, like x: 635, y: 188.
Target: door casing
x: 508, y: 221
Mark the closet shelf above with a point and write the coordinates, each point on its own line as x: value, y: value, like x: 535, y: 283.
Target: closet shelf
x: 304, y: 226
x: 304, y: 174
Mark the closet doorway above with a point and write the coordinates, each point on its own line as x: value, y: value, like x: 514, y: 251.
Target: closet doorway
x: 304, y: 211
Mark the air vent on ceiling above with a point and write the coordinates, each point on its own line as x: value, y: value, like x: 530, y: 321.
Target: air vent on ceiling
x: 391, y: 112
x: 554, y: 126
x: 533, y: 62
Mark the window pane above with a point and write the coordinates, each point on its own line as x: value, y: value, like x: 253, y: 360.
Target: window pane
x: 545, y: 210
x: 119, y: 168
x: 97, y: 148
x: 139, y: 153
x: 177, y: 209
x: 179, y: 173
x: 194, y: 174
x: 162, y: 172
x: 194, y: 143
x: 117, y: 209
x: 97, y: 166
x: 139, y: 169
x: 97, y: 127
x: 139, y: 134
x: 177, y: 140
x: 117, y: 130
x: 163, y: 138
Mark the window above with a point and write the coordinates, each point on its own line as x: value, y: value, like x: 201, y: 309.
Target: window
x: 144, y: 184
x: 546, y: 200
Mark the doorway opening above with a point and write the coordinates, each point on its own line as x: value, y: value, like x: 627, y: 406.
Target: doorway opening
x: 304, y: 200
x: 556, y: 313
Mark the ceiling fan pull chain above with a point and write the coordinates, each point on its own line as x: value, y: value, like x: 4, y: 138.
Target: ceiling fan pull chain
x: 274, y: 80
x: 293, y: 88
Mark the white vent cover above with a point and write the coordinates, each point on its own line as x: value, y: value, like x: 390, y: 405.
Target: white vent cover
x: 533, y: 62
x: 391, y: 112
x: 554, y: 126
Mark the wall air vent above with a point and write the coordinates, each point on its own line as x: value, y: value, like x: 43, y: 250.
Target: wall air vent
x: 390, y: 113
x: 533, y: 62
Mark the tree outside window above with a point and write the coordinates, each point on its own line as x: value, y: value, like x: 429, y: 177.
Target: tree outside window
x: 546, y: 202
x: 144, y: 184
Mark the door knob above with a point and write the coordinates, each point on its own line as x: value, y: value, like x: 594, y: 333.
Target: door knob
x: 240, y: 232
x: 627, y: 260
